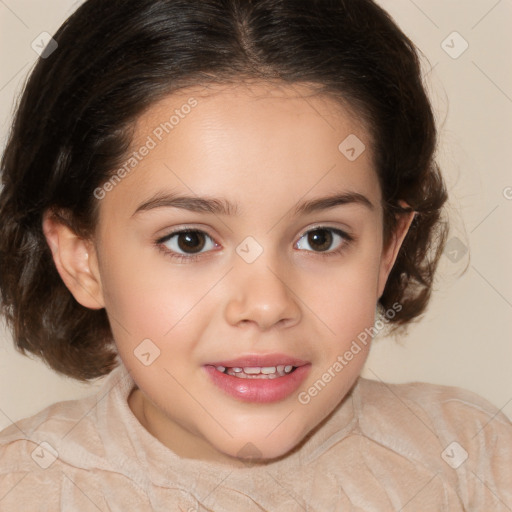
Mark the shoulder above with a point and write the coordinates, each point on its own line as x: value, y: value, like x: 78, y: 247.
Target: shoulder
x: 440, y: 407
x: 69, y: 456
x: 71, y: 429
x: 47, y: 428
x: 32, y: 467
x: 450, y: 431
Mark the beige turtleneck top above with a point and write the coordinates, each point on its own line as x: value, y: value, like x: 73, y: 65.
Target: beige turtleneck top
x: 387, y: 447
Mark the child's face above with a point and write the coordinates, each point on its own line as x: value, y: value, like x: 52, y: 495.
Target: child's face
x: 259, y: 283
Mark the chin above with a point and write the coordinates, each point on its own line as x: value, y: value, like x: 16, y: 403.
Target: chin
x: 260, y: 447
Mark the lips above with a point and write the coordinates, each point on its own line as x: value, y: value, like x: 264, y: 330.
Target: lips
x: 259, y: 383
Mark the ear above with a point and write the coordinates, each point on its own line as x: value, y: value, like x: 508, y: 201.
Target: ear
x: 390, y: 252
x: 76, y: 261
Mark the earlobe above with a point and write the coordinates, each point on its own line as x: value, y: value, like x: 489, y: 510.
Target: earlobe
x: 391, y: 251
x: 75, y: 260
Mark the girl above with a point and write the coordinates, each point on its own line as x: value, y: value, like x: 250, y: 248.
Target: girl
x: 210, y: 201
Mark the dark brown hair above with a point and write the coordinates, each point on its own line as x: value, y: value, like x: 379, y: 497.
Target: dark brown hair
x: 115, y: 58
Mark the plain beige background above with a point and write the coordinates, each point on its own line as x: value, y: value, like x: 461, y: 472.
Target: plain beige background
x: 465, y: 339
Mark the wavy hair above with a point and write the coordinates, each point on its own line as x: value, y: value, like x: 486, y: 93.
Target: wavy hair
x: 115, y: 58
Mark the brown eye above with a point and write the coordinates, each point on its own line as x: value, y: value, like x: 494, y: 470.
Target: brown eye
x: 320, y: 239
x: 187, y: 242
x: 191, y: 241
x: 323, y: 240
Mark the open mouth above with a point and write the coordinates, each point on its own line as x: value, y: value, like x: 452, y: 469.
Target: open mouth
x: 257, y: 372
x: 259, y: 378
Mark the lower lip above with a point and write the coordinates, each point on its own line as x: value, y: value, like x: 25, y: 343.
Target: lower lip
x: 259, y: 390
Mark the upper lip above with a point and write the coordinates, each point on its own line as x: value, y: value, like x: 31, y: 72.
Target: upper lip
x: 260, y: 360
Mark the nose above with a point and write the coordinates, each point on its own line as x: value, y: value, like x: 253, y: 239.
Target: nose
x: 261, y: 295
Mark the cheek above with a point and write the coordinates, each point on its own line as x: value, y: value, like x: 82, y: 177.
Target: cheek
x: 346, y: 294
x: 345, y: 308
x: 143, y: 296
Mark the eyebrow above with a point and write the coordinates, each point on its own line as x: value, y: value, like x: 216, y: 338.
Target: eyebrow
x: 223, y: 207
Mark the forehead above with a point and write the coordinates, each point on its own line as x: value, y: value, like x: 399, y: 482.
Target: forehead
x: 253, y: 139
x: 252, y: 102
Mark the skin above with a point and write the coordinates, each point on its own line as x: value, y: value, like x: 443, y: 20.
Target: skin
x: 266, y: 148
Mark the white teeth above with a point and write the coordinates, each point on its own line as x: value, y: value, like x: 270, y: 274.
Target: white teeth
x: 252, y: 370
x: 257, y: 372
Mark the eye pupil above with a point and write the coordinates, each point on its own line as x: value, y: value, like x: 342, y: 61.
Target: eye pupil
x: 323, y: 237
x: 191, y: 239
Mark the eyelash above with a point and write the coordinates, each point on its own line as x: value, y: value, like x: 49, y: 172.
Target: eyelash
x: 347, y: 240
